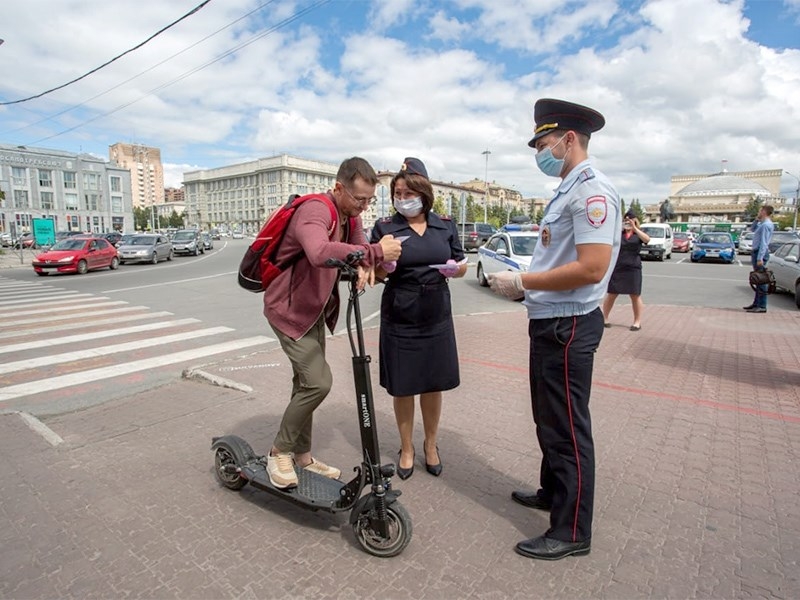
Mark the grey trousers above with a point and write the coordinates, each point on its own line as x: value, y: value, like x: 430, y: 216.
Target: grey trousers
x: 311, y: 384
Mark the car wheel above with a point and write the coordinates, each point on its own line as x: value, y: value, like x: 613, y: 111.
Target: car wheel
x: 169, y: 256
x: 82, y: 267
x: 114, y: 264
x: 797, y: 294
x: 482, y: 281
x: 694, y: 260
x: 154, y: 258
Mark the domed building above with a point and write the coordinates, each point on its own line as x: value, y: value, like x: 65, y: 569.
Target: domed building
x: 721, y: 197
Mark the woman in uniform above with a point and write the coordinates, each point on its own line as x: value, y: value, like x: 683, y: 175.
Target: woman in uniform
x: 418, y: 353
x: 627, y: 275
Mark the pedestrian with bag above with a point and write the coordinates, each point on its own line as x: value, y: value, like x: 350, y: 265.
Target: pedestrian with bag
x: 303, y: 298
x: 627, y: 275
x: 418, y: 354
x: 762, y: 228
x: 567, y: 278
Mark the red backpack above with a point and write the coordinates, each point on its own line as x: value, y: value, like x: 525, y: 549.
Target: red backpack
x: 258, y: 267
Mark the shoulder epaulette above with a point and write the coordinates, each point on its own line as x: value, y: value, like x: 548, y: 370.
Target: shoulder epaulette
x: 586, y: 174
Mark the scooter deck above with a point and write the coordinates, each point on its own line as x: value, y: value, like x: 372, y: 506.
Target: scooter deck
x: 312, y: 489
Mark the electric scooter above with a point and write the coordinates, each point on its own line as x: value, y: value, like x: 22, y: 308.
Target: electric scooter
x: 382, y: 526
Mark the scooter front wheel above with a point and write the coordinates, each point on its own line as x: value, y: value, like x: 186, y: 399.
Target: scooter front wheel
x: 230, y: 454
x: 399, y: 530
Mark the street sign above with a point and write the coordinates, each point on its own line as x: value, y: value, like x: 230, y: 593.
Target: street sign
x: 44, y: 232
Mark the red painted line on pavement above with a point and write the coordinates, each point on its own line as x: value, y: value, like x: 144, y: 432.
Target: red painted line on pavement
x: 775, y: 416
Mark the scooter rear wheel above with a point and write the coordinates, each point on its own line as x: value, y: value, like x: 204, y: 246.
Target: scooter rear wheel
x: 399, y: 531
x: 232, y: 452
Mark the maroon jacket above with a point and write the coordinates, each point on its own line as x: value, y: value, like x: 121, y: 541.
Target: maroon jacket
x: 298, y: 296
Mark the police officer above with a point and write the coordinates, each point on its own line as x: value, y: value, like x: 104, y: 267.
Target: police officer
x: 578, y: 246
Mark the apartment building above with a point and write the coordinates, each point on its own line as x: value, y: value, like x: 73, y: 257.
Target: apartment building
x: 147, y: 173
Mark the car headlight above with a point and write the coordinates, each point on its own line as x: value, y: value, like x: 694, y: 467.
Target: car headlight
x: 66, y: 259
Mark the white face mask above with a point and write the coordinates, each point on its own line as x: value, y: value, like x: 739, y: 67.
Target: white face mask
x: 410, y: 207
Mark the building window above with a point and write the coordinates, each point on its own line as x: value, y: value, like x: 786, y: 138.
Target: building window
x: 73, y: 224
x: 116, y: 204
x: 90, y: 201
x: 45, y: 178
x: 116, y: 184
x: 70, y: 181
x: 272, y: 177
x: 18, y: 176
x: 71, y: 203
x: 47, y: 200
x: 302, y: 177
x: 21, y: 199
x: 91, y: 181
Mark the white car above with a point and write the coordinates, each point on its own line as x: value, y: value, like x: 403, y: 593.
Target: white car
x: 510, y: 249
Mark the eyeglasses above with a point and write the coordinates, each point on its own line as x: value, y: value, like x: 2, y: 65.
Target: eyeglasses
x: 369, y: 200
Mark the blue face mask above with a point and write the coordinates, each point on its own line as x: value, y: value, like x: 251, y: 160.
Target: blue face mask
x: 549, y: 164
x: 408, y: 208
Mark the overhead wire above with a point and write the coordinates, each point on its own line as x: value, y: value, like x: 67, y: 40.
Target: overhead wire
x: 156, y: 65
x: 108, y: 62
x: 183, y: 76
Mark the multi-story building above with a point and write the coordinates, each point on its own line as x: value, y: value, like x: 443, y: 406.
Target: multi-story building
x: 241, y: 196
x: 80, y: 192
x: 147, y: 173
x: 173, y: 195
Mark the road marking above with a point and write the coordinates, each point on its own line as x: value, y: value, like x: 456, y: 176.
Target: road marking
x: 101, y: 351
x: 82, y: 337
x: 50, y: 436
x: 84, y: 324
x: 142, y: 287
x: 88, y: 303
x: 56, y: 383
x: 4, y: 295
x: 73, y: 316
x: 55, y: 299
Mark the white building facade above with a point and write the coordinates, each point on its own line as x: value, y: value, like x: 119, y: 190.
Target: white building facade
x: 80, y: 192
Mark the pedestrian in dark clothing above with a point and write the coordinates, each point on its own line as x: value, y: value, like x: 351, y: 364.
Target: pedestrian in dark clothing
x: 627, y: 275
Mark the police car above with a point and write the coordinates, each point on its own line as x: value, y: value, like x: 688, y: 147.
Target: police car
x: 510, y: 249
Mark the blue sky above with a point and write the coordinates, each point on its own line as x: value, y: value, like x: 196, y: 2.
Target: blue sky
x: 683, y: 84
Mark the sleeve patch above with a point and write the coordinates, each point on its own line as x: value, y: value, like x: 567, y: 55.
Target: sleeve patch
x: 596, y: 210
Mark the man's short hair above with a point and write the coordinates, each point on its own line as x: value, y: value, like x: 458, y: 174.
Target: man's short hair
x: 768, y: 209
x: 356, y: 167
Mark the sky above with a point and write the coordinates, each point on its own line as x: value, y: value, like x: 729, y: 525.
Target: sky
x: 683, y: 84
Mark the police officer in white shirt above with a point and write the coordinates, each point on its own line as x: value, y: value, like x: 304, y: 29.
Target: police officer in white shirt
x: 572, y: 263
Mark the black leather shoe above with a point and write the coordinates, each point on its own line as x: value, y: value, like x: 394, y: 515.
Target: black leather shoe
x: 545, y: 548
x: 531, y: 500
x: 401, y: 472
x: 434, y: 470
x: 749, y: 307
x: 756, y: 309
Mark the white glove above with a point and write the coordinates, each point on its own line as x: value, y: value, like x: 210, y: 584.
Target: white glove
x: 508, y: 284
x: 451, y: 270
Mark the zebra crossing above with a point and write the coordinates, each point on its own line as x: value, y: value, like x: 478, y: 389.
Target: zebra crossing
x: 55, y: 340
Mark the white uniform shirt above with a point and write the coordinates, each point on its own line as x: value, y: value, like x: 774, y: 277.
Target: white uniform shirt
x: 585, y: 210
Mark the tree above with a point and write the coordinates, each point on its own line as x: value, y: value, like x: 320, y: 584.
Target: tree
x: 637, y: 209
x: 175, y: 220
x: 752, y: 208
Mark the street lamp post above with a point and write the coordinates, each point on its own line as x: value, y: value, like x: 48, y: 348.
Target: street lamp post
x: 796, y: 199
x: 486, y: 153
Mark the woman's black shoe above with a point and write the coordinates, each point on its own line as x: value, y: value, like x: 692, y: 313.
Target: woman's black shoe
x: 401, y: 472
x: 434, y: 470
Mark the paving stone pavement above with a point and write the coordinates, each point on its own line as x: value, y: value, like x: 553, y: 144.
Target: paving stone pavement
x: 697, y: 432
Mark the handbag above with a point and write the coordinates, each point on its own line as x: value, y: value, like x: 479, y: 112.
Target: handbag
x: 763, y: 277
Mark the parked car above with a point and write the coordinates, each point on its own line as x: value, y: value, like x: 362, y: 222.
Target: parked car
x: 660, y: 244
x: 785, y: 265
x: 145, y: 248
x: 26, y: 240
x: 781, y: 237
x: 113, y: 237
x: 475, y: 235
x: 126, y: 237
x: 237, y: 235
x: 682, y: 242
x: 5, y: 239
x: 715, y: 245
x: 745, y: 243
x: 76, y: 255
x: 506, y: 251
x: 188, y: 241
x: 208, y: 241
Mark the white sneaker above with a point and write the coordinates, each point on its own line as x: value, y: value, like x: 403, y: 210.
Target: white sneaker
x: 280, y: 469
x: 320, y: 468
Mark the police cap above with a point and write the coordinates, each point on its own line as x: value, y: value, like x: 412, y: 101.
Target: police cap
x: 414, y: 166
x: 550, y: 114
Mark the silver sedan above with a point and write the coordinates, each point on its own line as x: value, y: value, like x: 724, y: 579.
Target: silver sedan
x: 785, y: 265
x: 145, y: 248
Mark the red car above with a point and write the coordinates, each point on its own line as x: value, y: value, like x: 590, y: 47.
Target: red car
x: 682, y: 242
x: 76, y: 255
